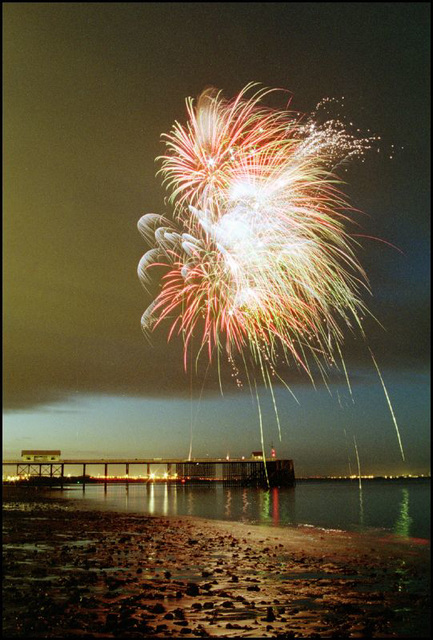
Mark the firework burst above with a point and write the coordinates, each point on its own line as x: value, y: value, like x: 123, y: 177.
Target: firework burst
x: 258, y: 262
x: 256, y: 253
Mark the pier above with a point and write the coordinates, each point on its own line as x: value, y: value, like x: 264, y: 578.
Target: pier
x: 233, y: 471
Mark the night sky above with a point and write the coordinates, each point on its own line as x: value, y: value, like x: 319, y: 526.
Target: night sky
x: 88, y: 90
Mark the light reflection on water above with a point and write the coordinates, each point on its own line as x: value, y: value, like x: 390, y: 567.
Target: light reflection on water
x: 394, y: 507
x: 227, y: 512
x: 361, y: 508
x: 165, y: 505
x: 403, y: 523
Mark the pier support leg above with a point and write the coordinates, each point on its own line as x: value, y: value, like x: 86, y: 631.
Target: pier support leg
x: 84, y: 476
x: 105, y: 477
x: 62, y: 475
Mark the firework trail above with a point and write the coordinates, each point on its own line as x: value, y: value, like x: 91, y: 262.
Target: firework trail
x: 389, y: 403
x: 258, y: 266
x: 359, y: 464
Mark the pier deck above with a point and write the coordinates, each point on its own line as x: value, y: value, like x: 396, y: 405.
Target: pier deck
x: 247, y: 471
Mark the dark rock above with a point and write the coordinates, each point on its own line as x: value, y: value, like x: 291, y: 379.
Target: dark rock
x: 127, y: 622
x: 158, y: 608
x: 111, y: 620
x: 270, y: 616
x: 144, y: 628
x: 179, y: 614
x: 192, y: 589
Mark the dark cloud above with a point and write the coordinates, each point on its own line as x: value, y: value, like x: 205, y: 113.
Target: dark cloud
x: 44, y: 367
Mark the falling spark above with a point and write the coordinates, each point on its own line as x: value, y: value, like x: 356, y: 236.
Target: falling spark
x: 261, y: 434
x: 345, y: 373
x: 359, y: 466
x: 348, y: 456
x: 389, y: 404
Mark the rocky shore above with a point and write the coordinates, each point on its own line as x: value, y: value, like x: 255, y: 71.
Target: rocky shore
x: 73, y: 572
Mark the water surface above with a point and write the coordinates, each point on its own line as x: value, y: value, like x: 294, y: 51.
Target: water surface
x: 386, y: 507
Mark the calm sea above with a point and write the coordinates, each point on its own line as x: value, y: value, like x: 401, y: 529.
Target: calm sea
x: 398, y: 507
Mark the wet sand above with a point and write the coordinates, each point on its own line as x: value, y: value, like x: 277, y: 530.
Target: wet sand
x: 70, y: 571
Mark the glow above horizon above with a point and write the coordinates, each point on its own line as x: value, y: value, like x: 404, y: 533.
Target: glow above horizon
x: 313, y: 432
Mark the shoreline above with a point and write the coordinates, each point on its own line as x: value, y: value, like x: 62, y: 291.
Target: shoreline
x: 115, y: 574
x: 88, y: 500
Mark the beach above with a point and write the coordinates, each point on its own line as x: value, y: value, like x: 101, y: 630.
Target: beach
x: 73, y: 571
